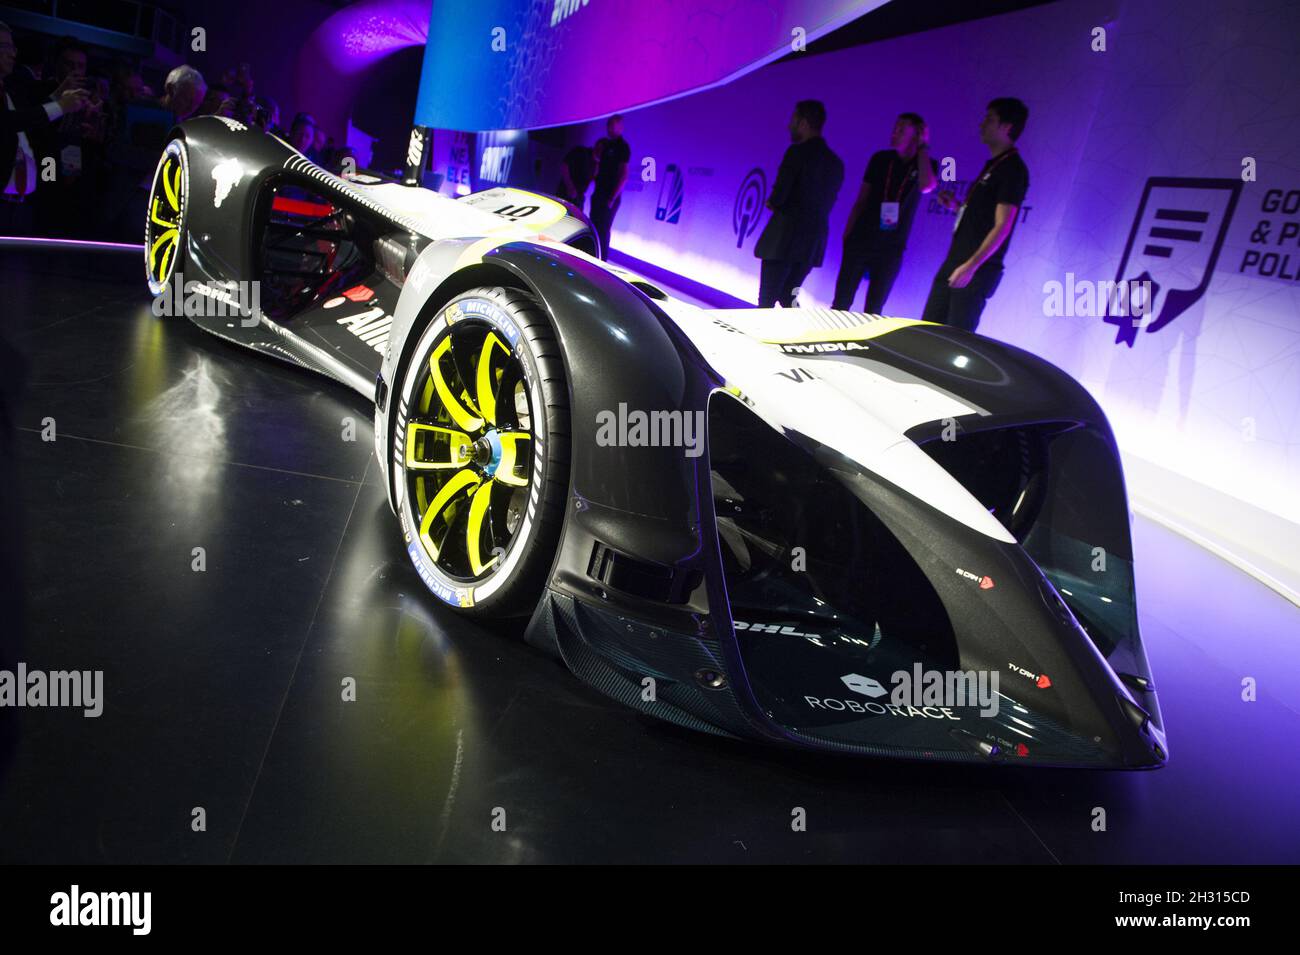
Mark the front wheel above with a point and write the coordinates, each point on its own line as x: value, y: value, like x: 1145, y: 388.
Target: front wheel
x: 481, y: 452
x: 164, y: 224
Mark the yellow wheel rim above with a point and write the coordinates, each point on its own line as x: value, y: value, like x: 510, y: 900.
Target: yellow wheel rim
x: 469, y: 445
x: 164, y: 224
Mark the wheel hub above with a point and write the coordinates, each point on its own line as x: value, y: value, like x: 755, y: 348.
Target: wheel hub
x: 487, y: 452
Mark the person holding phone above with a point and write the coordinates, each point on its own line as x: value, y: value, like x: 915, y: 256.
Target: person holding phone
x: 972, y: 269
x: 24, y: 120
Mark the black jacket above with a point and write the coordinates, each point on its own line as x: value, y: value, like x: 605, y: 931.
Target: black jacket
x: 806, y: 186
x: 28, y: 117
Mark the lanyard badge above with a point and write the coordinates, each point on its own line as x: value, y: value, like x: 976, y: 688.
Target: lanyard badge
x: 888, y: 216
x: 890, y: 208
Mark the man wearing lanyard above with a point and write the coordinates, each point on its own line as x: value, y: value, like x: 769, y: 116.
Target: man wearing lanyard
x: 881, y: 217
x: 973, y: 267
x: 17, y: 119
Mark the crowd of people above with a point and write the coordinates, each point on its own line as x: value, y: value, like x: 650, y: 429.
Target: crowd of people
x: 808, y: 182
x: 78, y: 147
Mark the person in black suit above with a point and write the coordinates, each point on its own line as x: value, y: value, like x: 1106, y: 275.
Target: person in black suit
x: 794, y: 240
x: 20, y: 119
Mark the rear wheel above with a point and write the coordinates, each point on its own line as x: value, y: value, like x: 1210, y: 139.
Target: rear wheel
x: 164, y: 228
x: 481, y: 452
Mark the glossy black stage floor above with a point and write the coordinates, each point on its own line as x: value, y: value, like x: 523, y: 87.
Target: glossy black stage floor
x: 223, y: 687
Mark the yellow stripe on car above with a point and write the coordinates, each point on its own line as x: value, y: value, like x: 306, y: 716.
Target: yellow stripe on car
x: 856, y: 333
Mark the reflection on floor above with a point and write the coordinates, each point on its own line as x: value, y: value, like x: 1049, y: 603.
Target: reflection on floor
x: 224, y: 686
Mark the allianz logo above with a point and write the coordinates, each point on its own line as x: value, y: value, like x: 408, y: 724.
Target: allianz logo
x: 372, y: 326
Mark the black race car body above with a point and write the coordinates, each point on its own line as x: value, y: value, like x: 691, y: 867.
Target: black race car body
x: 821, y: 529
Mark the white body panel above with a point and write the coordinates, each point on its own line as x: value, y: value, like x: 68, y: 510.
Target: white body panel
x: 841, y: 405
x: 502, y: 213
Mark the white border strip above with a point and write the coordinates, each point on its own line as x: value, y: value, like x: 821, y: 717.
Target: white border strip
x: 1218, y: 550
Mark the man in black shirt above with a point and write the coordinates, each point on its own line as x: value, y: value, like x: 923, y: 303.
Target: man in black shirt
x: 973, y: 267
x: 575, y: 175
x: 876, y: 233
x: 794, y: 240
x: 612, y: 157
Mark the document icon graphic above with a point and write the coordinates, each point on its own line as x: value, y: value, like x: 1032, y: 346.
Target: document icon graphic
x: 669, y: 207
x: 1173, y: 245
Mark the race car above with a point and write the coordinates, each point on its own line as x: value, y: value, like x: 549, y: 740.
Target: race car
x: 820, y: 529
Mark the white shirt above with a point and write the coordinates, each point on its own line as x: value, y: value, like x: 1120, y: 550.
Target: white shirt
x: 25, y: 154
